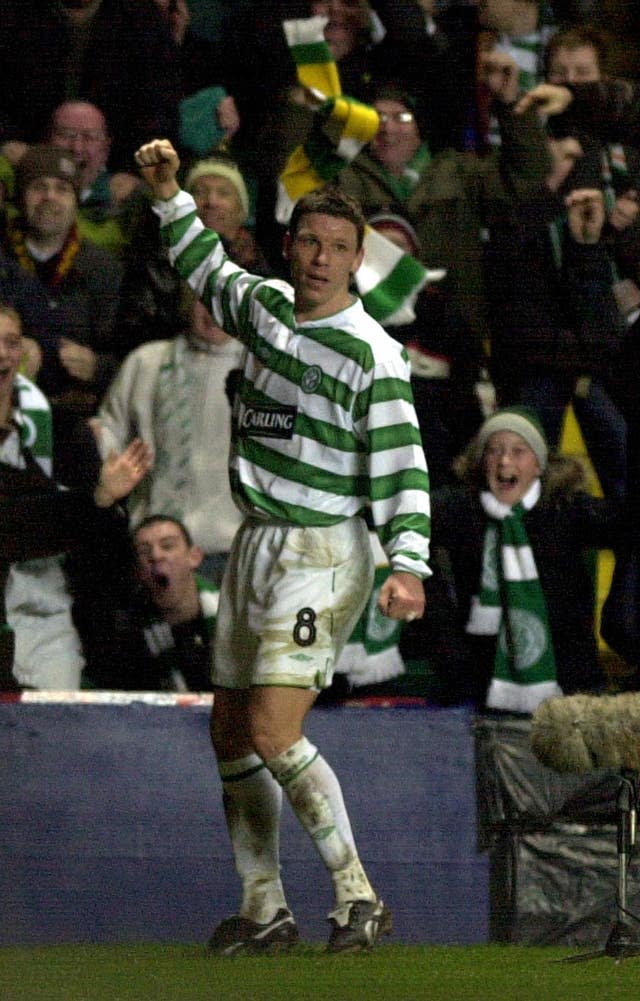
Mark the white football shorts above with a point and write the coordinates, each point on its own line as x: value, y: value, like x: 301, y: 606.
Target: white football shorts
x: 289, y: 602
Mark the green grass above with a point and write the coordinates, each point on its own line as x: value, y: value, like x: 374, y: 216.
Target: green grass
x: 390, y: 973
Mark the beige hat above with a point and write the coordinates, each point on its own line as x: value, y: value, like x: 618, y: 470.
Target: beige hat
x: 220, y: 168
x: 522, y: 421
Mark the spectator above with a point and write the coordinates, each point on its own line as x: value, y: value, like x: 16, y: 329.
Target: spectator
x: 151, y: 296
x: 162, y: 636
x: 555, y: 329
x: 103, y: 51
x: 580, y: 55
x: 209, y: 117
x: 157, y: 382
x: 519, y: 29
x: 167, y: 561
x: 511, y: 599
x: 38, y: 521
x: 575, y: 55
x: 82, y: 282
x: 450, y: 198
x: 222, y: 201
x: 103, y: 196
x: 429, y: 58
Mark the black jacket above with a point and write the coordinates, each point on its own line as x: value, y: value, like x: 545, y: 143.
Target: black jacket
x: 561, y: 321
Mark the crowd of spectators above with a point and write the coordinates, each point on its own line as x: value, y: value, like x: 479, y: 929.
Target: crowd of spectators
x: 534, y: 308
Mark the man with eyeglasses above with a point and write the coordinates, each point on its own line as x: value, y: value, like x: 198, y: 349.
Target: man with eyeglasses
x: 81, y: 127
x: 448, y: 196
x: 106, y: 51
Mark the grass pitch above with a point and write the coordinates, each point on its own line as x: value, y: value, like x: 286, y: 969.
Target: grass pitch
x: 389, y: 973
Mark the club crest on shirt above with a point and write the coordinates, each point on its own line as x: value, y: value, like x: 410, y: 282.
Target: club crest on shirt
x: 267, y: 421
x: 311, y: 379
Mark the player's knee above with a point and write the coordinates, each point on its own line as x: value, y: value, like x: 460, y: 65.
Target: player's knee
x: 270, y: 739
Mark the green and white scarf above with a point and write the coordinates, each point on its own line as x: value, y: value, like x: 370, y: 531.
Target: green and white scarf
x: 524, y: 670
x: 372, y: 654
x: 404, y: 186
x: 32, y: 414
x: 173, y: 412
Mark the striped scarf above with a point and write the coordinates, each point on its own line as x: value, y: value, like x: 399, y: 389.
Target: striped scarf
x: 53, y: 271
x: 372, y: 654
x: 32, y: 414
x: 388, y: 280
x: 173, y: 406
x: 524, y: 669
x: 403, y: 186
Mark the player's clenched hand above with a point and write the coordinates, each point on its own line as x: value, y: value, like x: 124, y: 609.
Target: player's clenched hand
x: 159, y: 163
x: 402, y: 597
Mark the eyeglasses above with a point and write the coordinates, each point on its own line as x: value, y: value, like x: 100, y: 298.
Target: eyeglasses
x: 402, y: 117
x: 89, y: 135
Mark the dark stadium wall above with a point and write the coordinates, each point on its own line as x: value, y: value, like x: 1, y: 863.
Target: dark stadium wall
x: 112, y: 825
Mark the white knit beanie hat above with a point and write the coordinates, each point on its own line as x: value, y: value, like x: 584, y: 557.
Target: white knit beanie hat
x: 522, y: 421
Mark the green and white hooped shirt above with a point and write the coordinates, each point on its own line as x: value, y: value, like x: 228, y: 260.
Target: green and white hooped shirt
x: 324, y: 423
